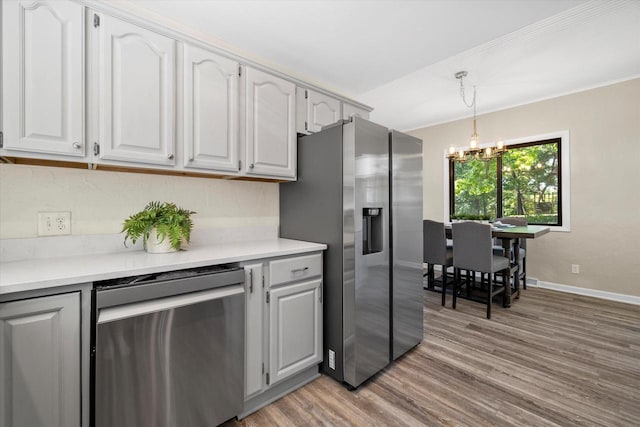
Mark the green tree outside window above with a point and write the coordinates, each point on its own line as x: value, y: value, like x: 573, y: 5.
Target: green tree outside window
x: 524, y: 182
x: 476, y: 189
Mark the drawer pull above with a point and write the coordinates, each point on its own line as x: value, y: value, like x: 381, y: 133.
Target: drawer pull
x: 299, y: 270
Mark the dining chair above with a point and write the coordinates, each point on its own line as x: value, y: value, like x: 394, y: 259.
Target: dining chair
x: 436, y: 252
x: 520, y: 222
x: 473, y: 251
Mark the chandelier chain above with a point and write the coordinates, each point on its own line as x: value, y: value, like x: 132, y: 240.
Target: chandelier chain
x: 472, y: 104
x: 474, y: 152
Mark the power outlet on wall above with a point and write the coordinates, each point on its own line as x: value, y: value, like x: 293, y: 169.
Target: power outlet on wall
x: 575, y: 268
x: 54, y: 223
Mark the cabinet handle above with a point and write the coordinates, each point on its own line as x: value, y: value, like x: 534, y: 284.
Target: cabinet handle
x: 251, y: 166
x: 170, y: 157
x: 299, y: 270
x: 77, y: 145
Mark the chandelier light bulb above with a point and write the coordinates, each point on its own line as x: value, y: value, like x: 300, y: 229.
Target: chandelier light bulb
x: 500, y: 145
x: 487, y: 151
x: 452, y: 149
x: 473, y: 144
x: 461, y: 154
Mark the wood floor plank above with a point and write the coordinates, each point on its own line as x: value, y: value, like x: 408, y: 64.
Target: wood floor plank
x: 552, y: 359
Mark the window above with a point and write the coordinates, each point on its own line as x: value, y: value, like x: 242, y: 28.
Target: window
x: 526, y: 181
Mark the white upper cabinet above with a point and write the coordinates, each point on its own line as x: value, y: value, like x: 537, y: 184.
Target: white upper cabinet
x: 43, y: 77
x: 82, y: 85
x: 211, y: 110
x: 349, y: 111
x: 134, y: 70
x: 269, y: 125
x: 316, y: 110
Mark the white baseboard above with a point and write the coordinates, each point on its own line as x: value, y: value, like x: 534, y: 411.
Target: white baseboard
x: 436, y: 267
x: 629, y: 299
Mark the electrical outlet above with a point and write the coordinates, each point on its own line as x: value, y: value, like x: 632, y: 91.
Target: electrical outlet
x: 54, y: 223
x: 575, y: 268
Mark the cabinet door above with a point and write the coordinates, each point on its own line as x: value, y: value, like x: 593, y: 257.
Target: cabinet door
x: 254, y: 333
x: 40, y: 361
x: 351, y: 110
x: 295, y: 332
x: 43, y: 67
x: 270, y: 131
x: 318, y: 110
x: 211, y: 108
x: 135, y: 76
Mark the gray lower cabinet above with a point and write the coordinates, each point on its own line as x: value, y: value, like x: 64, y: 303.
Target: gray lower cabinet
x: 254, y: 330
x: 283, y: 327
x: 40, y: 361
x: 295, y: 328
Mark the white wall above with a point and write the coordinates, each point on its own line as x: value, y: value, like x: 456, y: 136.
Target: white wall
x: 604, y: 127
x: 99, y: 201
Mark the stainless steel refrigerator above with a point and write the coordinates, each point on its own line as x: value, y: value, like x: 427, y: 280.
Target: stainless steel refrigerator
x: 406, y: 242
x: 342, y: 198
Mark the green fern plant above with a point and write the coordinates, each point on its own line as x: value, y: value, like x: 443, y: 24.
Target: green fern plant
x: 169, y: 220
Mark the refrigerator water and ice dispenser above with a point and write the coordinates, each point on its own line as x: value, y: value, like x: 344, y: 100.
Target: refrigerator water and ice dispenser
x: 372, y: 229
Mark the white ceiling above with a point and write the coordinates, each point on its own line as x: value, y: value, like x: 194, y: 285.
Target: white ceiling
x: 399, y: 56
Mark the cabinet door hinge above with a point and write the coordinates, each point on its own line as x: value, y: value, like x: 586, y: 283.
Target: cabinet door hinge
x: 239, y: 70
x: 96, y: 149
x: 1, y: 139
x: 263, y: 281
x: 250, y: 281
x: 306, y: 94
x: 267, y: 378
x: 268, y: 298
x: 239, y: 164
x: 306, y: 126
x: 96, y: 20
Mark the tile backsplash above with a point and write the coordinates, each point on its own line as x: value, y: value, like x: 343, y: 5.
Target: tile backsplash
x: 99, y: 201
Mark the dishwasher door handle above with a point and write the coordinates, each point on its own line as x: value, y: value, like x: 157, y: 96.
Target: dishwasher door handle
x: 112, y: 314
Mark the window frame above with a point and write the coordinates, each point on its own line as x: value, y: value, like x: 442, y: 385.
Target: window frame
x: 564, y: 186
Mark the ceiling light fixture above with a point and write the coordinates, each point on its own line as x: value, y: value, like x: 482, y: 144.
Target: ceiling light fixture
x: 474, y: 152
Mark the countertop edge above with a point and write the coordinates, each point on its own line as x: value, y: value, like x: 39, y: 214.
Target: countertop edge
x: 110, y: 266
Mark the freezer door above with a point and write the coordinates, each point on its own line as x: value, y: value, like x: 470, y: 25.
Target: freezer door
x: 406, y: 231
x: 366, y: 301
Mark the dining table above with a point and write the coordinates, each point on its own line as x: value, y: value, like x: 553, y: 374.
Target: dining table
x: 510, y: 238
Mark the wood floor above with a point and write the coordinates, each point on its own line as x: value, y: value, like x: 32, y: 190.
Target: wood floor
x: 550, y: 359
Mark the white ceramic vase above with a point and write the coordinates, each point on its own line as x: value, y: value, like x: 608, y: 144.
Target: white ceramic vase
x: 154, y: 245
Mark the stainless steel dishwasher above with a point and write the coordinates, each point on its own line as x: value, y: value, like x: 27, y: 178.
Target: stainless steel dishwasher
x: 168, y: 348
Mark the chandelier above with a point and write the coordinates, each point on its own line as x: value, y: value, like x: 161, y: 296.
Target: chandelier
x: 474, y: 152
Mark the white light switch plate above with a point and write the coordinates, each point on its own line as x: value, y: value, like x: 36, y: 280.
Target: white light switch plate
x: 54, y: 223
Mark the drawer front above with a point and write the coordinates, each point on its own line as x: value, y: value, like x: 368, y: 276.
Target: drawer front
x: 294, y: 269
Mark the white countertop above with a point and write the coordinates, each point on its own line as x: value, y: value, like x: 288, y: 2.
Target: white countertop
x: 27, y: 275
